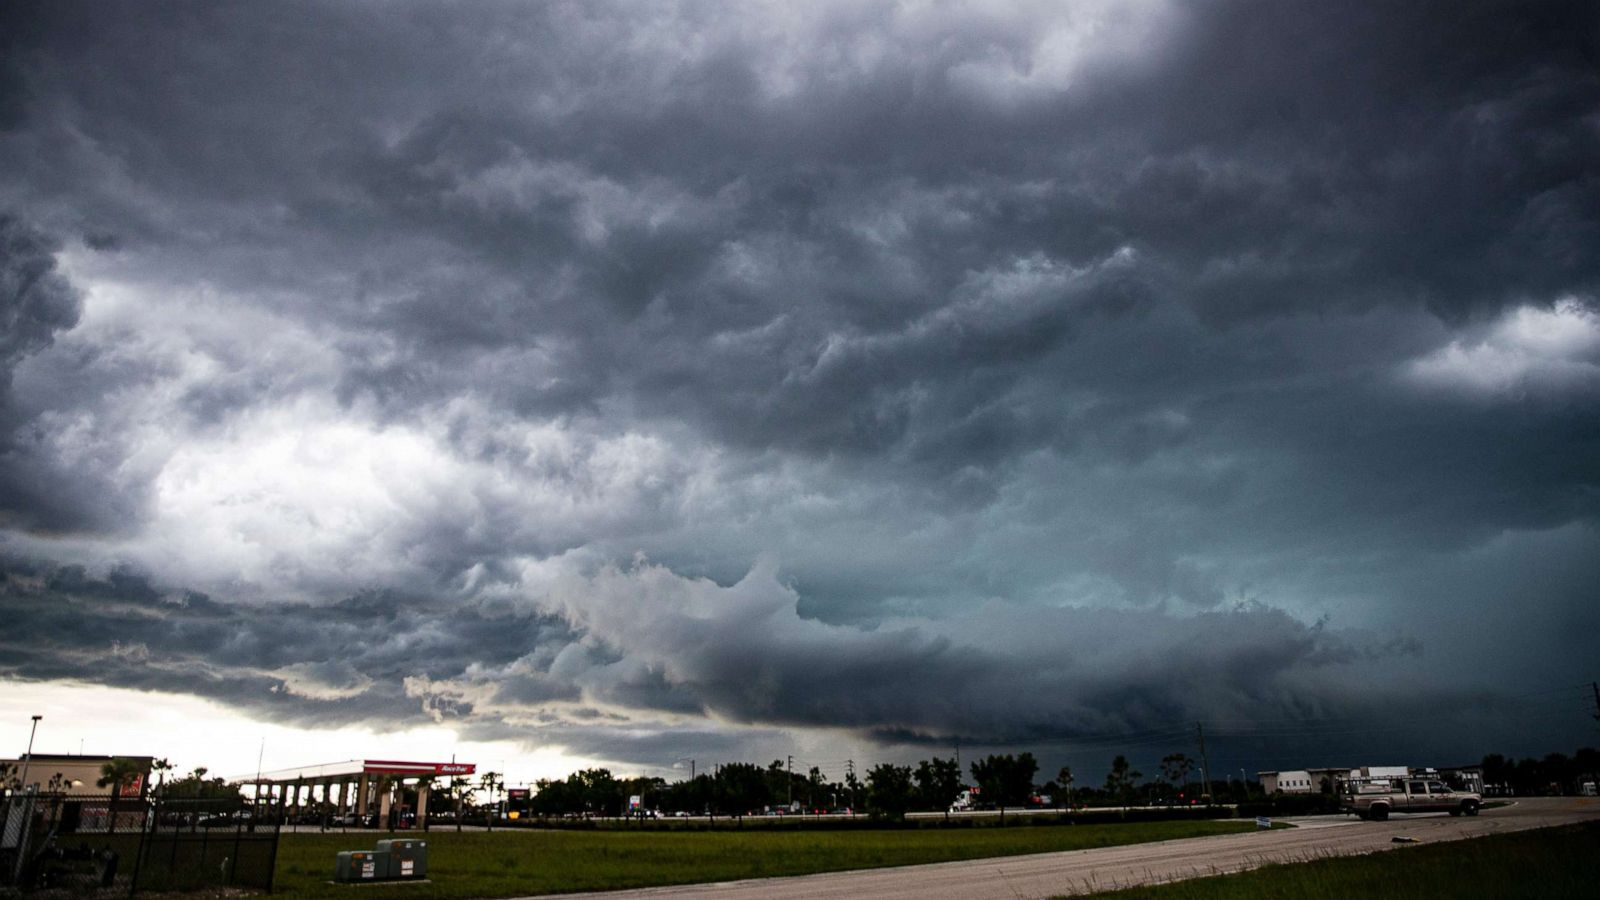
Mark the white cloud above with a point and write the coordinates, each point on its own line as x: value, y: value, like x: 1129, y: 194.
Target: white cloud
x: 333, y: 680
x: 1529, y: 348
x: 1057, y: 54
x: 305, y: 497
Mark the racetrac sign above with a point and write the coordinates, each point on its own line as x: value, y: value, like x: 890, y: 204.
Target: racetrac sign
x: 396, y: 767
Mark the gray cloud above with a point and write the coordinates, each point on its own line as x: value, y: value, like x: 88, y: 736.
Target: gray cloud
x: 1157, y: 331
x: 36, y: 303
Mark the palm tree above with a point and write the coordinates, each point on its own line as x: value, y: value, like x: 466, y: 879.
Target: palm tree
x: 1064, y: 780
x: 161, y: 767
x: 457, y: 790
x: 118, y: 772
x: 491, y: 782
x: 114, y: 774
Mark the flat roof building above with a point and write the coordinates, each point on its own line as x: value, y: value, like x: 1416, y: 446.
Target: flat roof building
x: 63, y: 773
x: 1292, y: 781
x: 1326, y: 780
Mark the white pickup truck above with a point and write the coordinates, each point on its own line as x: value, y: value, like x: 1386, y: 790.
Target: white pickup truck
x: 1376, y: 798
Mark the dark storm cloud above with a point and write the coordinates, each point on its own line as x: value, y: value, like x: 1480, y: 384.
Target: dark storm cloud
x: 1128, y: 317
x: 37, y: 300
x: 646, y: 643
x: 340, y: 662
x: 36, y: 303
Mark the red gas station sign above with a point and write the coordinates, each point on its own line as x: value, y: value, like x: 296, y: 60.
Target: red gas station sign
x: 398, y: 767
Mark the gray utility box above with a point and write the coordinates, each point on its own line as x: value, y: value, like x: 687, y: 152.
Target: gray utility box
x: 361, y: 865
x: 408, y: 858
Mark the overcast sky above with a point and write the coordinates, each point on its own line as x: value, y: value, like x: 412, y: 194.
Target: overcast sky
x: 589, y: 383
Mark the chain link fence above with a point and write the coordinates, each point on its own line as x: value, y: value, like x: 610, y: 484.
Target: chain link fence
x: 70, y: 845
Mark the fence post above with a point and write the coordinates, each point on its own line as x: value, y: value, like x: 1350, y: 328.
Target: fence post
x: 205, y: 849
x: 272, y: 860
x: 233, y: 862
x: 172, y: 862
x: 154, y: 809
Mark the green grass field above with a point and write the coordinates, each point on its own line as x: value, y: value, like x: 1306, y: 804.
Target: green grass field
x: 502, y: 864
x: 1548, y: 863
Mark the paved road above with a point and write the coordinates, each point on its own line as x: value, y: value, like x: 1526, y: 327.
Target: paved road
x: 1085, y: 871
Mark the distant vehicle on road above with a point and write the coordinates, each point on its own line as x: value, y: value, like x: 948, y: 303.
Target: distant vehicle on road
x: 1376, y: 798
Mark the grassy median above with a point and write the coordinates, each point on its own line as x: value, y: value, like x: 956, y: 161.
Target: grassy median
x: 503, y: 864
x: 1546, y: 863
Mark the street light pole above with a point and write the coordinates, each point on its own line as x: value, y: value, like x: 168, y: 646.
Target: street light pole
x: 29, y: 758
x: 22, y: 846
x: 685, y: 759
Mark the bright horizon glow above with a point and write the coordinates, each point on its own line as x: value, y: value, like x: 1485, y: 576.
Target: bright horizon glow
x: 120, y: 722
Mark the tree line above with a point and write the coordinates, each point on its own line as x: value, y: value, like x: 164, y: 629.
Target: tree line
x: 998, y: 781
x: 1556, y: 773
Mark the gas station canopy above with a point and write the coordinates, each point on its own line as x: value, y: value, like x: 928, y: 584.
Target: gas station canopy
x: 354, y: 768
x: 356, y: 786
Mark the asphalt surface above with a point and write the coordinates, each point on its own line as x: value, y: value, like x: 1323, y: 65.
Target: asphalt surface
x: 1085, y: 871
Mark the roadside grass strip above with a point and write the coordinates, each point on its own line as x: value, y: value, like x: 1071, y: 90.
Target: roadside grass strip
x: 504, y: 864
x: 1543, y: 863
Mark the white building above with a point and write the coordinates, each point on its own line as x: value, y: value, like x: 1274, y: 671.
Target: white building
x: 1386, y: 771
x: 1315, y: 781
x: 1297, y: 781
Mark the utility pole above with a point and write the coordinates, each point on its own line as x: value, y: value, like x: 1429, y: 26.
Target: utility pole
x: 788, y: 771
x: 1595, y: 685
x: 1205, y: 766
x: 850, y: 771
